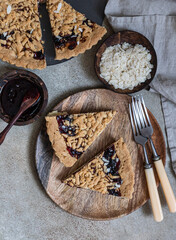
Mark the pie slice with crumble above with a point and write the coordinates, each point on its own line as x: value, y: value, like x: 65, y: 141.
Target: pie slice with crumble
x: 71, y: 134
x: 111, y: 172
x: 72, y: 32
x: 21, y: 37
x: 20, y: 34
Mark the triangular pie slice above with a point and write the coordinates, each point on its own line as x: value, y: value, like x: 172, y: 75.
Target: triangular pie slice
x: 20, y: 34
x: 111, y: 172
x: 71, y: 134
x: 72, y: 32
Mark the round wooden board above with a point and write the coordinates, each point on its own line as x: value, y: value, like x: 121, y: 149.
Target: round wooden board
x: 86, y: 203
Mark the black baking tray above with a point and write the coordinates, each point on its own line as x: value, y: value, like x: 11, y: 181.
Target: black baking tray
x: 93, y: 9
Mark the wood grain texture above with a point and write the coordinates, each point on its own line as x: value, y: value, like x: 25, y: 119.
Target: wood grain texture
x: 132, y: 38
x: 86, y: 203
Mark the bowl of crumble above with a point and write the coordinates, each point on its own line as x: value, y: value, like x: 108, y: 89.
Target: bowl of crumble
x: 126, y: 62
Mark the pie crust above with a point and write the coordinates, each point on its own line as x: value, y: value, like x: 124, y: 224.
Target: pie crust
x: 94, y: 175
x: 72, y: 32
x: 21, y: 37
x: 20, y: 34
x: 69, y: 145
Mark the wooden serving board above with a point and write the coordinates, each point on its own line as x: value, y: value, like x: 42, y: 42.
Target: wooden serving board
x: 86, y: 203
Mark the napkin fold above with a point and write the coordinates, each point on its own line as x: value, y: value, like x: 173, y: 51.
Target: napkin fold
x: 155, y: 19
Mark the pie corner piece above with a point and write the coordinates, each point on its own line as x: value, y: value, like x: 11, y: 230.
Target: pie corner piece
x: 20, y: 34
x: 111, y: 172
x: 72, y: 32
x: 71, y: 134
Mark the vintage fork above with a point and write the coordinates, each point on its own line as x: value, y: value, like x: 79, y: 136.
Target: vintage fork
x: 146, y: 130
x: 151, y: 183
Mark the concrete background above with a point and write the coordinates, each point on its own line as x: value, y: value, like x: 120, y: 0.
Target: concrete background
x: 27, y: 213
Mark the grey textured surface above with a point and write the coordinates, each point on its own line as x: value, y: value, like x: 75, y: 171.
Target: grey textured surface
x: 27, y: 213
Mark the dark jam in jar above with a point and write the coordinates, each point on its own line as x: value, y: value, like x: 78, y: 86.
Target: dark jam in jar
x: 12, y: 96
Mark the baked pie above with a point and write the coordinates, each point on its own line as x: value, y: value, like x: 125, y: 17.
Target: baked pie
x: 21, y: 37
x: 20, y: 34
x: 71, y: 134
x: 111, y: 172
x: 72, y: 32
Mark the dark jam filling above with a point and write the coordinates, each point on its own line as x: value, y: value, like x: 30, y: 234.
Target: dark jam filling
x: 109, y: 153
x: 38, y: 55
x: 70, y: 131
x: 70, y: 41
x: 4, y: 45
x: 88, y: 23
x: 66, y: 41
x: 2, y: 37
x: 13, y: 94
x: 118, y: 180
x: 74, y: 153
x: 114, y: 192
x: 113, y: 165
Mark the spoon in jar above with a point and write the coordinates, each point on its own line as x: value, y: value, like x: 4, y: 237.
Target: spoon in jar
x: 29, y: 99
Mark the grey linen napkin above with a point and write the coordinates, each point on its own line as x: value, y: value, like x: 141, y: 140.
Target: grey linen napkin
x: 155, y: 19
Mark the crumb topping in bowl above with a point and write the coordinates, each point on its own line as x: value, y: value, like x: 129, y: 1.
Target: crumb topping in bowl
x: 125, y: 66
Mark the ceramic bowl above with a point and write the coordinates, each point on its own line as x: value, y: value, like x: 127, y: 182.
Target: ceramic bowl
x: 30, y: 115
x: 132, y: 38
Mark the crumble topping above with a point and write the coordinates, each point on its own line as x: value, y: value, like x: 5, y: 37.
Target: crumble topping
x: 58, y: 8
x: 71, y: 29
x: 20, y: 33
x: 71, y: 134
x: 92, y: 176
x: 110, y: 172
x: 97, y: 176
x: 79, y: 130
x: 125, y: 66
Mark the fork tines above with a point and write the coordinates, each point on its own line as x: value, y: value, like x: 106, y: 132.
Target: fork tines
x: 141, y: 111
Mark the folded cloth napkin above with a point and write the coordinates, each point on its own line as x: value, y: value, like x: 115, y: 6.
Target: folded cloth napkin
x: 155, y: 19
